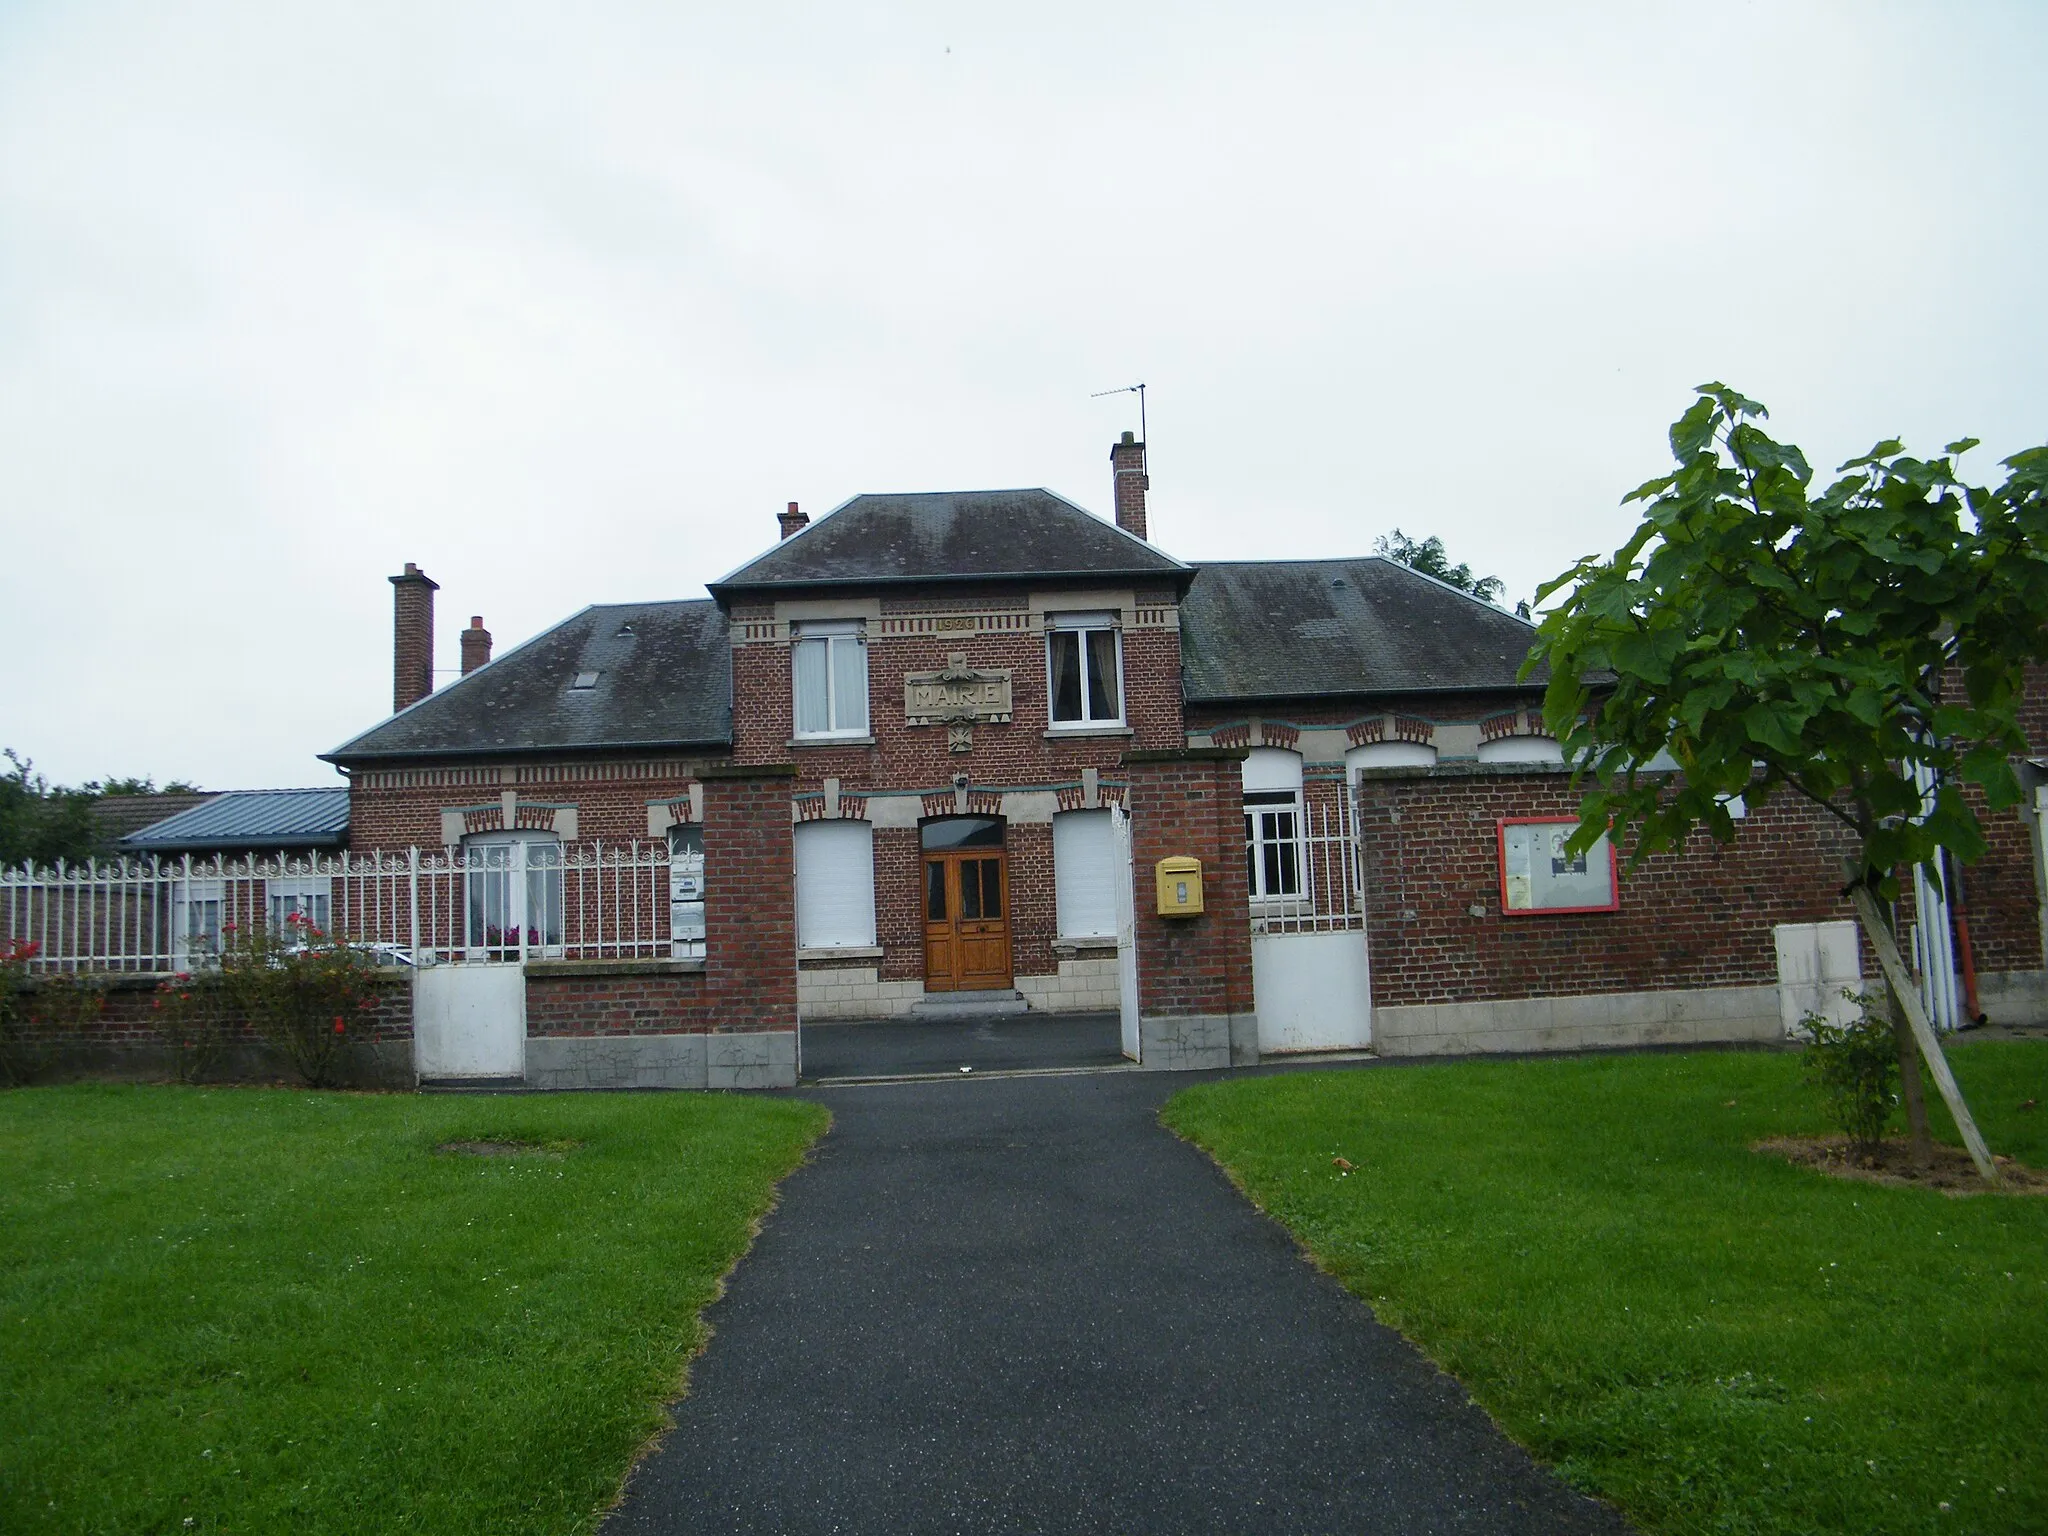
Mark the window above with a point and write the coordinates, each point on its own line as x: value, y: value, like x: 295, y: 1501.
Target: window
x: 196, y: 918
x: 1084, y: 670
x: 830, y: 663
x: 514, y: 887
x: 1272, y: 823
x: 686, y: 892
x: 1084, y: 874
x: 1537, y: 875
x: 835, y: 885
x: 304, y: 898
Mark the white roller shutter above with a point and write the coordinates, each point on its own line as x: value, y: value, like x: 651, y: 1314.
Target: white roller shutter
x: 1083, y: 874
x: 835, y: 885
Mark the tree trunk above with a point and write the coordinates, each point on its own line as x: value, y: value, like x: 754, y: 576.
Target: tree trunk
x: 1912, y: 1093
x: 1907, y: 1000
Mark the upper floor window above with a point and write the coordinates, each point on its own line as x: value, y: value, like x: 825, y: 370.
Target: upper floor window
x: 1084, y: 669
x: 831, y: 679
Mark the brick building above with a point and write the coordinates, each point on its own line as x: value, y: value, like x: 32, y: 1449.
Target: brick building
x: 930, y: 750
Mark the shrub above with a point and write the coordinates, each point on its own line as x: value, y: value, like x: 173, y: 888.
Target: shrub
x: 190, y: 1015
x: 20, y: 1055
x: 36, y: 1014
x: 1856, y: 1068
x: 306, y: 992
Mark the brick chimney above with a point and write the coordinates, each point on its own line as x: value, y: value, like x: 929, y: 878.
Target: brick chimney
x: 792, y: 521
x: 1127, y: 467
x: 476, y: 644
x: 412, y: 636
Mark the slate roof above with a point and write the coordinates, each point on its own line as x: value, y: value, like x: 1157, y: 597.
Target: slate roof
x: 1282, y: 629
x: 261, y: 820
x: 952, y: 535
x: 663, y: 679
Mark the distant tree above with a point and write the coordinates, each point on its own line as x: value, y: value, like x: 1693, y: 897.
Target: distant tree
x: 1428, y: 556
x: 41, y: 822
x: 1851, y: 648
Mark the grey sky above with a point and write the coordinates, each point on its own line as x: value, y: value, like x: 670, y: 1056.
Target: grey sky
x: 564, y: 303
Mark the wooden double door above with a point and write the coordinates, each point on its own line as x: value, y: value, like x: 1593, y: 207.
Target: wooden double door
x: 966, y: 906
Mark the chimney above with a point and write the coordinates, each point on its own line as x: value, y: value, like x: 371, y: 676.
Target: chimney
x: 412, y: 636
x: 792, y: 521
x: 1127, y: 465
x: 476, y: 644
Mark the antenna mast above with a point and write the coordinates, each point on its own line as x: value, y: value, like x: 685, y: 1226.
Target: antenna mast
x: 1130, y: 389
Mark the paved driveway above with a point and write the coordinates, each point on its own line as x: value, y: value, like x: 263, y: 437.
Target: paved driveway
x: 1019, y: 1305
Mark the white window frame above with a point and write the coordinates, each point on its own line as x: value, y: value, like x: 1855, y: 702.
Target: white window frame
x: 311, y: 896
x: 859, y: 896
x: 1274, y: 827
x: 1082, y: 625
x: 191, y: 920
x: 831, y: 636
x: 488, y: 883
x: 686, y: 895
x: 1085, y: 880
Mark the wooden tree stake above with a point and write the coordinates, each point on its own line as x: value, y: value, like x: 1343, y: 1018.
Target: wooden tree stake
x: 1901, y: 982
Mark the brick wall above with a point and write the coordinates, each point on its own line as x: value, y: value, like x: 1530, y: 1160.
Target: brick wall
x: 750, y: 913
x: 1191, y: 802
x: 400, y: 807
x: 1701, y: 918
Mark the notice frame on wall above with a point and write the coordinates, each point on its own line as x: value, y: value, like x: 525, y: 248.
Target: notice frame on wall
x: 1537, y: 877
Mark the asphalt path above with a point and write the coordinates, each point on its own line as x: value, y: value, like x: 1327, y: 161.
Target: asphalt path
x: 1003, y: 1043
x: 1019, y: 1304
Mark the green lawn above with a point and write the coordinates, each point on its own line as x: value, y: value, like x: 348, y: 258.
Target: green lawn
x: 252, y: 1310
x: 1714, y: 1340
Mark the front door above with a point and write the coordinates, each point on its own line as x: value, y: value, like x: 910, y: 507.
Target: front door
x: 966, y: 906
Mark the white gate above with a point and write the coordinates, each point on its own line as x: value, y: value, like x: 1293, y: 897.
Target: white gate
x: 469, y: 1020
x: 1310, y: 976
x: 1126, y: 929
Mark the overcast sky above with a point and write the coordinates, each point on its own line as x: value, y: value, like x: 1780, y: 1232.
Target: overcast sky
x: 565, y: 302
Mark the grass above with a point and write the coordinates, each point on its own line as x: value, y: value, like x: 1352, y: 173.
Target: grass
x: 253, y: 1310
x: 1713, y: 1340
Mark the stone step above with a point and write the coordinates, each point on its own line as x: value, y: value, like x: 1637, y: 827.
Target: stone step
x: 969, y: 1005
x: 473, y: 1085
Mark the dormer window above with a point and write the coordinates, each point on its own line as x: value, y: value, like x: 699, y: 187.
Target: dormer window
x: 1084, y: 670
x: 830, y: 667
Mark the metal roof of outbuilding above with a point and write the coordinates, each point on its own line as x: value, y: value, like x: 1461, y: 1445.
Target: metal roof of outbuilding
x: 259, y: 820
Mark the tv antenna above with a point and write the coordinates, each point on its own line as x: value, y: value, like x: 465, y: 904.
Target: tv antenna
x: 1128, y: 389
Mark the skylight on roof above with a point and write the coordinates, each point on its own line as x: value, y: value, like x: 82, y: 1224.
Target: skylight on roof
x: 585, y: 680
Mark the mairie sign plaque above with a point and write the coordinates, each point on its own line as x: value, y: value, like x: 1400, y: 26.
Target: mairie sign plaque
x: 957, y: 694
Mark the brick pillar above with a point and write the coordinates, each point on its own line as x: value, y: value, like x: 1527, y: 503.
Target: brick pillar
x: 476, y: 644
x: 412, y: 636
x: 750, y: 925
x: 1127, y: 470
x: 1195, y: 1003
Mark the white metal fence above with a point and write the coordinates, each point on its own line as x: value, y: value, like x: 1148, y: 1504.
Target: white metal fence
x: 504, y: 903
x: 1301, y: 861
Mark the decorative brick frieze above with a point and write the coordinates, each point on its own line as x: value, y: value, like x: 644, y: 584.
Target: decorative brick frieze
x: 1367, y: 732
x: 1415, y: 729
x: 1277, y: 733
x: 1237, y: 734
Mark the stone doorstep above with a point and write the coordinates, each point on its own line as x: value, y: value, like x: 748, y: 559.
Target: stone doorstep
x: 969, y: 1005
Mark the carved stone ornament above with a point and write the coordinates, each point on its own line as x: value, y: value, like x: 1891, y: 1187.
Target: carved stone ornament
x: 959, y: 738
x: 959, y: 697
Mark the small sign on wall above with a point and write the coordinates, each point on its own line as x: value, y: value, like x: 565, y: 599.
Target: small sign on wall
x: 1538, y: 875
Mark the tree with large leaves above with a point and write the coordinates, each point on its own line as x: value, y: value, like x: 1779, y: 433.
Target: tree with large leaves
x: 1851, y: 647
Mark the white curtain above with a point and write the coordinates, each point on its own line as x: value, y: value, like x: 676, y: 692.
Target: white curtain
x: 813, y: 700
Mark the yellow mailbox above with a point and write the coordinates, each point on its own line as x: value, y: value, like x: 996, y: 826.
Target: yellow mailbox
x: 1180, y: 887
